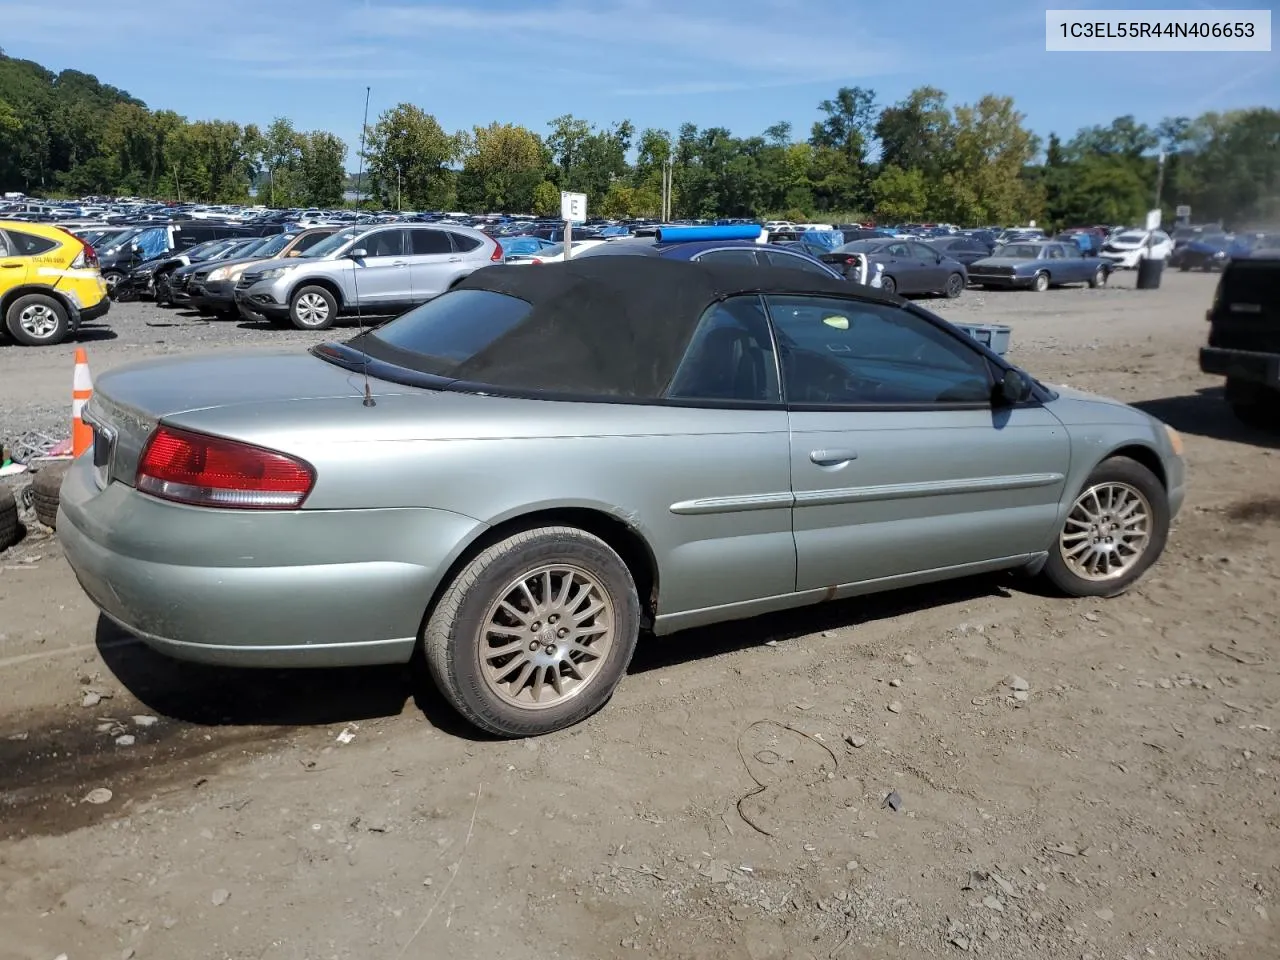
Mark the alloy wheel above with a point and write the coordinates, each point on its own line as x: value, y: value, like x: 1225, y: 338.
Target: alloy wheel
x: 38, y: 321
x: 546, y: 636
x: 1107, y: 531
x: 312, y: 309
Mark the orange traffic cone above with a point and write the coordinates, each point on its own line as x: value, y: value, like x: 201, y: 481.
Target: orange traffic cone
x: 81, y: 391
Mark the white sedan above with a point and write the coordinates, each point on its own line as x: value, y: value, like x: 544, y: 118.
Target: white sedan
x: 1126, y: 249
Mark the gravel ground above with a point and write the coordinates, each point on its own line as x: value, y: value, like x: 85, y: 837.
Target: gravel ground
x: 1085, y: 780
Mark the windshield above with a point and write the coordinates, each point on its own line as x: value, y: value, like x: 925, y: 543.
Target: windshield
x: 1131, y: 238
x: 272, y: 245
x: 442, y: 334
x: 333, y: 243
x: 1018, y: 251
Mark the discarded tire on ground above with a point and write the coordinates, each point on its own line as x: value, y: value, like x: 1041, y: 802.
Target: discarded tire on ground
x: 9, y: 528
x: 44, y: 492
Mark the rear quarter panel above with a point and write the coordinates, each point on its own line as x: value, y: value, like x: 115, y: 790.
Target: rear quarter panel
x: 498, y: 459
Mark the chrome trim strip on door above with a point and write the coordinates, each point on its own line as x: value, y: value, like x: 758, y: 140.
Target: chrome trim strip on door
x: 937, y: 488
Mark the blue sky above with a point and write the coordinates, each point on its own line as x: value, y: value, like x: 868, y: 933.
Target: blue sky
x: 743, y: 64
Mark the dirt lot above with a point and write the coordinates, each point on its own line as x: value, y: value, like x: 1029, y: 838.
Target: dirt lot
x: 729, y: 802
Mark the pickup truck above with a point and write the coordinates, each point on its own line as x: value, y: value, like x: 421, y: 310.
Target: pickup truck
x: 1244, y: 337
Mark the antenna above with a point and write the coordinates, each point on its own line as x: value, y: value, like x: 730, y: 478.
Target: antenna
x: 355, y: 282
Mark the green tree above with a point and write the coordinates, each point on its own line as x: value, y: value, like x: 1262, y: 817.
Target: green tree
x: 502, y: 166
x: 900, y: 195
x: 323, y: 174
x: 408, y: 147
x: 917, y: 132
x: 546, y: 199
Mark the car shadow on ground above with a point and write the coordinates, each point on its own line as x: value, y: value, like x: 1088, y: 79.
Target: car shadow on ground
x: 94, y: 334
x: 211, y: 696
x: 1206, y: 414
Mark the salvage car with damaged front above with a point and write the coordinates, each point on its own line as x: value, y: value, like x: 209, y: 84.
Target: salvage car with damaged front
x: 572, y: 455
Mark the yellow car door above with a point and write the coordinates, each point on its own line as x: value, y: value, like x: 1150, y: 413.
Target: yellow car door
x: 14, y: 269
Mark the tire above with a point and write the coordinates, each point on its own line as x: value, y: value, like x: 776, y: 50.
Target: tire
x: 313, y: 308
x: 955, y: 286
x: 1041, y: 283
x: 46, y: 487
x: 112, y: 278
x: 888, y: 285
x: 1144, y: 489
x: 1099, y: 279
x: 1184, y: 267
x: 452, y: 639
x: 37, y: 320
x: 10, y: 528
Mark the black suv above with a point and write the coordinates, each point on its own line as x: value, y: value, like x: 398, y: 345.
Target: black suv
x: 1244, y: 336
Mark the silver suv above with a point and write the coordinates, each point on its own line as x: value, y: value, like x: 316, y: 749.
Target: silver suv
x: 377, y: 270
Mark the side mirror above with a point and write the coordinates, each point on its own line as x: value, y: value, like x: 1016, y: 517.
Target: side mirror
x: 1012, y: 389
x: 359, y: 253
x: 137, y: 249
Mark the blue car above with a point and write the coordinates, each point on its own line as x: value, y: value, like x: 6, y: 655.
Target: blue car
x: 1038, y: 265
x: 726, y: 244
x: 523, y: 246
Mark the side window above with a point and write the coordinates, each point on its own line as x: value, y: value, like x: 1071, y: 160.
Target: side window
x: 848, y: 352
x: 4, y: 245
x: 920, y: 252
x: 385, y: 243
x: 1071, y: 251
x: 1055, y: 252
x: 777, y: 258
x: 430, y: 241
x: 462, y: 243
x: 740, y: 257
x: 29, y: 245
x: 897, y: 250
x: 308, y: 241
x: 730, y: 356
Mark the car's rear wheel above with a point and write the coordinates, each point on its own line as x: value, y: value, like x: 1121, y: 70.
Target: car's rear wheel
x: 1041, y: 283
x: 313, y: 308
x: 37, y: 320
x: 888, y: 285
x: 1115, y: 530
x: 535, y: 633
x: 1099, y: 278
x: 955, y: 286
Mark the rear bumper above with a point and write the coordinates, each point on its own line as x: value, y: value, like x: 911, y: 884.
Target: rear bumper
x: 306, y: 588
x: 1252, y: 366
x: 97, y: 311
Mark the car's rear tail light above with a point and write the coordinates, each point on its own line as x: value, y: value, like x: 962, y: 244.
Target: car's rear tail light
x: 535, y: 261
x: 497, y: 255
x: 209, y: 471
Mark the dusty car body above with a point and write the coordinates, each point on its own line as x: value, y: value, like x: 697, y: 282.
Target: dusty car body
x: 567, y: 455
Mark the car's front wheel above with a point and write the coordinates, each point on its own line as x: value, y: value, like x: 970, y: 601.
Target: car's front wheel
x: 1115, y: 529
x: 1041, y: 283
x: 313, y: 308
x: 1099, y: 278
x: 534, y: 634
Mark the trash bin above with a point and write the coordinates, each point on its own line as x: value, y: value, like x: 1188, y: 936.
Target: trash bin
x: 1149, y: 272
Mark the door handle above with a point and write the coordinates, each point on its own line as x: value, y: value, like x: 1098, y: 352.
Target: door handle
x: 11, y: 266
x: 399, y: 263
x: 455, y: 259
x: 832, y: 458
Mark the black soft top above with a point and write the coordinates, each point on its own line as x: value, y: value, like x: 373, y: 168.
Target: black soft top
x: 615, y: 326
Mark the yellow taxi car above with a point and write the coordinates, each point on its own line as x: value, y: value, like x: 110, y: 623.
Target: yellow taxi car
x: 49, y: 283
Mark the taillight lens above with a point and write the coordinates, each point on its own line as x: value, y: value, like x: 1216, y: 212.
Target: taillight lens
x: 535, y: 261
x: 209, y: 471
x: 497, y: 256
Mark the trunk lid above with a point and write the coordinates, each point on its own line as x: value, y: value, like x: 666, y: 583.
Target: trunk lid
x: 130, y: 400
